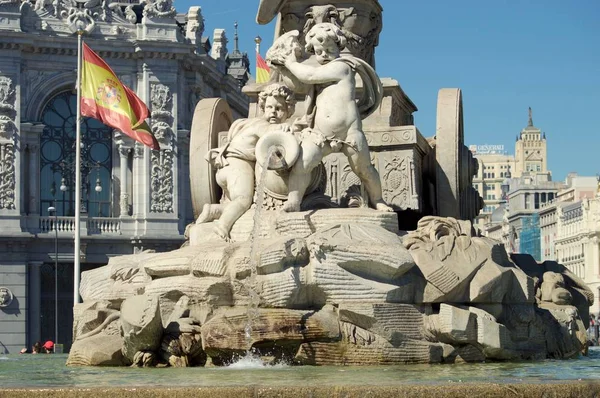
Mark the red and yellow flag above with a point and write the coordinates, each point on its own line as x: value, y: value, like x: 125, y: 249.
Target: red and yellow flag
x: 105, y: 98
x: 262, y: 69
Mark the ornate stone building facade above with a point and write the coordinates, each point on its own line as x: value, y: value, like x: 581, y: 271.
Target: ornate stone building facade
x: 577, y: 243
x: 133, y: 198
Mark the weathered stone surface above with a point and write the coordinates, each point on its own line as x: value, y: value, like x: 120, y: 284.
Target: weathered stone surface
x: 290, y: 289
x: 582, y: 296
x: 226, y: 332
x: 98, y: 350
x: 368, y: 251
x: 122, y: 277
x: 92, y: 317
x: 303, y: 224
x: 282, y: 253
x: 342, y: 286
x: 394, y: 322
x: 447, y: 255
x: 216, y: 291
x: 469, y: 353
x: 456, y: 325
x: 564, y: 330
x: 212, y: 259
x: 141, y: 325
x: 174, y: 263
x: 345, y: 353
x: 493, y: 336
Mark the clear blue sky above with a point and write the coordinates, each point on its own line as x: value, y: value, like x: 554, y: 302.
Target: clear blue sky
x: 505, y: 55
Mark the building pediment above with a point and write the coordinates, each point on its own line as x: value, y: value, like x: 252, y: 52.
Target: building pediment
x: 534, y: 156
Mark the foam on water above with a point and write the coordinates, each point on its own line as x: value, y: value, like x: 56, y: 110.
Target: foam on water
x: 253, y: 362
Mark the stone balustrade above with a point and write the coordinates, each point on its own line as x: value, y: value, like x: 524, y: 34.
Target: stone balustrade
x: 95, y: 225
x: 104, y: 225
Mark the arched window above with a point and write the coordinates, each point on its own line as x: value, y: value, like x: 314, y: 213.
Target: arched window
x: 57, y: 160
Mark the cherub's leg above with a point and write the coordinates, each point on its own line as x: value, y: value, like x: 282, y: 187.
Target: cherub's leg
x: 310, y: 156
x: 359, y: 159
x: 240, y: 186
x: 210, y: 212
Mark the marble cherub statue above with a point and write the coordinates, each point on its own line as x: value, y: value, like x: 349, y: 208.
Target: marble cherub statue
x: 235, y: 161
x: 333, y: 117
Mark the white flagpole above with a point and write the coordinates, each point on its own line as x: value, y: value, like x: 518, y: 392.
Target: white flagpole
x: 76, y: 265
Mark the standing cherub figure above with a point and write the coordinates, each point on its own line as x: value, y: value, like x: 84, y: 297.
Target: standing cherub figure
x: 333, y: 117
x: 236, y: 160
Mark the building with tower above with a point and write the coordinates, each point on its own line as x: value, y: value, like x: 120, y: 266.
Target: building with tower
x: 531, y: 154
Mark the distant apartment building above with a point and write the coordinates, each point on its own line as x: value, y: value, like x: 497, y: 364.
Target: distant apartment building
x: 578, y: 188
x: 495, y: 166
x: 577, y: 243
x: 548, y: 216
x: 527, y: 196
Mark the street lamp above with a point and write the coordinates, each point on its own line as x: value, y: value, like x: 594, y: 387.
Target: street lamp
x: 51, y: 210
x: 87, y: 167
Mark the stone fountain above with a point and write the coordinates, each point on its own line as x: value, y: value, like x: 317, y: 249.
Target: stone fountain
x: 329, y: 231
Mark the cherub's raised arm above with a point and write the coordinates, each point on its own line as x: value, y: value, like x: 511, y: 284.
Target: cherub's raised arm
x: 331, y: 72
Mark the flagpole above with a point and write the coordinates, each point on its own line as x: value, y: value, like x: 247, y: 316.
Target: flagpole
x: 77, y: 262
x: 257, y: 40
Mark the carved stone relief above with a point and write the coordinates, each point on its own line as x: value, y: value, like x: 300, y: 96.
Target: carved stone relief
x: 161, y: 180
x: 162, y: 101
x: 68, y: 16
x: 163, y: 133
x: 7, y: 95
x: 138, y: 151
x: 399, y: 183
x: 6, y: 297
x: 8, y: 130
x: 7, y: 176
x: 161, y: 162
x: 159, y: 9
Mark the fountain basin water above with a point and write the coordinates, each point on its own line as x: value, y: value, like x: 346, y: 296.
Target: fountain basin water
x: 49, y: 371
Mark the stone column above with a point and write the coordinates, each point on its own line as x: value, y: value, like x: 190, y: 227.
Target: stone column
x: 595, y: 256
x: 124, y: 207
x: 34, y: 288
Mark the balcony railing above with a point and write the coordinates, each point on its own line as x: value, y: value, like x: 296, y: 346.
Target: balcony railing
x: 63, y: 224
x: 104, y: 225
x: 94, y: 225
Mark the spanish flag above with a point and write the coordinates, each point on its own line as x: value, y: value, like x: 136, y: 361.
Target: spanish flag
x: 105, y: 98
x: 262, y: 69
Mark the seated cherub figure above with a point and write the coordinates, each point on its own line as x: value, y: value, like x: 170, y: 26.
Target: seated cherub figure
x: 236, y: 160
x: 333, y: 119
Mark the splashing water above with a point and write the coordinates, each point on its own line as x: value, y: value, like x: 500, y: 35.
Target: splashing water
x: 252, y: 314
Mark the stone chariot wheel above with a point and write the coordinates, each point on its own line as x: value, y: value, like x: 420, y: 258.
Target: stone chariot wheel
x: 211, y: 116
x: 455, y: 163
